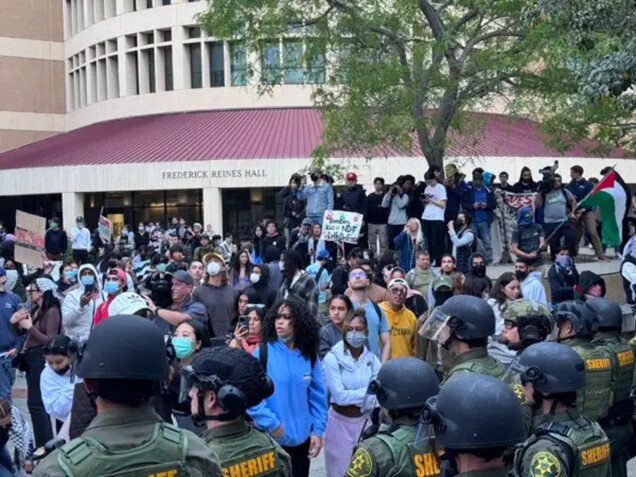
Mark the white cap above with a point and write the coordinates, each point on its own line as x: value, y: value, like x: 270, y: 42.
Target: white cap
x: 127, y: 304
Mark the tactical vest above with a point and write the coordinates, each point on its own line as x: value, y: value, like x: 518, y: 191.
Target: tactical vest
x: 593, y: 401
x: 487, y: 366
x: 165, y: 454
x: 408, y: 459
x: 623, y: 374
x: 585, y: 444
x: 253, y: 453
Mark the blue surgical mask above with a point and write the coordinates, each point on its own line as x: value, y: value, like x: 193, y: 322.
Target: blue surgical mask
x: 87, y: 280
x: 70, y: 275
x: 356, y: 338
x: 183, y: 347
x: 112, y: 286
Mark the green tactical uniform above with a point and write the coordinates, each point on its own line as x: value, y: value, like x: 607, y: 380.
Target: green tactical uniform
x: 496, y: 472
x: 392, y: 453
x: 564, y: 444
x: 131, y: 442
x: 243, y: 450
x: 475, y: 361
x: 618, y: 425
x: 594, y: 400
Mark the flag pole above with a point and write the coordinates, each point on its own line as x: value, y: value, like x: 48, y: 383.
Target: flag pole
x: 577, y: 206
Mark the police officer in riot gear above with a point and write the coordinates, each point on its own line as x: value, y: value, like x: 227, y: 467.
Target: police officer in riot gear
x: 122, y: 364
x: 576, y: 326
x: 617, y: 425
x: 462, y: 325
x: 526, y: 322
x: 223, y: 383
x: 401, y: 387
x: 476, y: 419
x: 563, y: 442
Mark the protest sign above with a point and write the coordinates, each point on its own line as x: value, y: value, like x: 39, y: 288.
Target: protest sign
x: 340, y: 226
x: 516, y: 201
x: 104, y: 227
x: 29, y: 234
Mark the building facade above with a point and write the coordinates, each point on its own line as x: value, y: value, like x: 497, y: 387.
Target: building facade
x: 162, y: 120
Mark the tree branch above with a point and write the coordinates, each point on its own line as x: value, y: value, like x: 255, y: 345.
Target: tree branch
x: 433, y: 19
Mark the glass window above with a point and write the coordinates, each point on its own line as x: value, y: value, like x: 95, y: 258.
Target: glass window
x: 152, y: 79
x: 165, y: 2
x: 238, y: 65
x: 196, y: 68
x: 270, y: 63
x: 193, y: 32
x: 168, y: 75
x: 217, y: 68
x: 315, y: 73
x: 293, y: 62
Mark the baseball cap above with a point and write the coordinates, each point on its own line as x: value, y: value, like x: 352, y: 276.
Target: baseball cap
x: 127, y: 304
x: 398, y: 281
x: 306, y: 222
x: 442, y: 281
x: 322, y: 255
x: 120, y: 274
x: 182, y: 276
x: 351, y: 176
x: 216, y: 256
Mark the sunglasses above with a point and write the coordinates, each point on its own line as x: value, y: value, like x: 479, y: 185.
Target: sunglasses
x: 357, y: 275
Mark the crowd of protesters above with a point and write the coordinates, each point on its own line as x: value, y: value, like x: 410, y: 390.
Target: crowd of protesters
x: 321, y: 316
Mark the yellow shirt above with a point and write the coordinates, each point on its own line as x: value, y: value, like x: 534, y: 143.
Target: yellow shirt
x: 402, y: 328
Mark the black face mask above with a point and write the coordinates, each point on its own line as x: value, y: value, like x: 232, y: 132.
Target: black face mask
x: 4, y: 435
x: 63, y: 371
x: 442, y: 296
x: 479, y: 270
x: 521, y: 276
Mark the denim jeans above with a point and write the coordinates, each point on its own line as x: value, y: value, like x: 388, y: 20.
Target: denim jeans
x: 7, y: 376
x: 482, y: 230
x: 6, y: 464
x: 315, y: 219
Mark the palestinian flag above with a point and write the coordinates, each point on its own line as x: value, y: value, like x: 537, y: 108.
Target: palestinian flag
x: 610, y: 197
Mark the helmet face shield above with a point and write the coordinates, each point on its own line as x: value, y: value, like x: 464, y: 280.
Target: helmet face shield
x: 437, y: 327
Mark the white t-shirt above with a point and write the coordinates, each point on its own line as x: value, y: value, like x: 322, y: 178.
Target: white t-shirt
x: 431, y: 211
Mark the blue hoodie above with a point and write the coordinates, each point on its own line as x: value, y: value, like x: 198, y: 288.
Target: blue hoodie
x: 299, y: 401
x: 9, y: 303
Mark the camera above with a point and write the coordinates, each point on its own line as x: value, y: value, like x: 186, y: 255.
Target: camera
x: 547, y: 174
x: 159, y: 288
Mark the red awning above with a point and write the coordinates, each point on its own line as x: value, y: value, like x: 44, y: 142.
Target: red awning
x: 250, y: 134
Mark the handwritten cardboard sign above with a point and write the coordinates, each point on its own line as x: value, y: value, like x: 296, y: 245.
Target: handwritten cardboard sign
x: 104, y: 228
x: 29, y: 234
x: 341, y: 226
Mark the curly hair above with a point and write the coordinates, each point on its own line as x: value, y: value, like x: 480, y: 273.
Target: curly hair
x: 306, y: 328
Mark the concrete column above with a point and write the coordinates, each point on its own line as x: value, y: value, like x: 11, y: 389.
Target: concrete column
x: 213, y: 209
x: 72, y: 206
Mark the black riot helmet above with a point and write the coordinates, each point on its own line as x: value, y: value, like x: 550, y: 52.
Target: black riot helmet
x: 404, y: 383
x: 124, y: 347
x: 580, y: 316
x: 235, y: 376
x: 552, y: 368
x: 608, y: 314
x: 460, y: 317
x: 473, y: 412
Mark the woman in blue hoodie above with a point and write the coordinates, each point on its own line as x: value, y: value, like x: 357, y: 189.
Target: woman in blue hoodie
x: 296, y: 414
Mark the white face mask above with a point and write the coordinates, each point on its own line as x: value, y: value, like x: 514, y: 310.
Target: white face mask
x: 356, y: 338
x: 254, y: 278
x: 213, y: 269
x: 12, y: 278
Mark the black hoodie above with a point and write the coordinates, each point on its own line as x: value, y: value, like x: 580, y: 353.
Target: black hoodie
x: 265, y: 296
x: 587, y: 279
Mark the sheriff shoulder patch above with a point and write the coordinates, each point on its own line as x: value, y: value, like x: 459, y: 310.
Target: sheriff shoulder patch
x: 545, y: 464
x: 361, y: 464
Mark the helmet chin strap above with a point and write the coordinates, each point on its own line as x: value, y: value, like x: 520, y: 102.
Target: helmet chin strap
x: 201, y: 416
